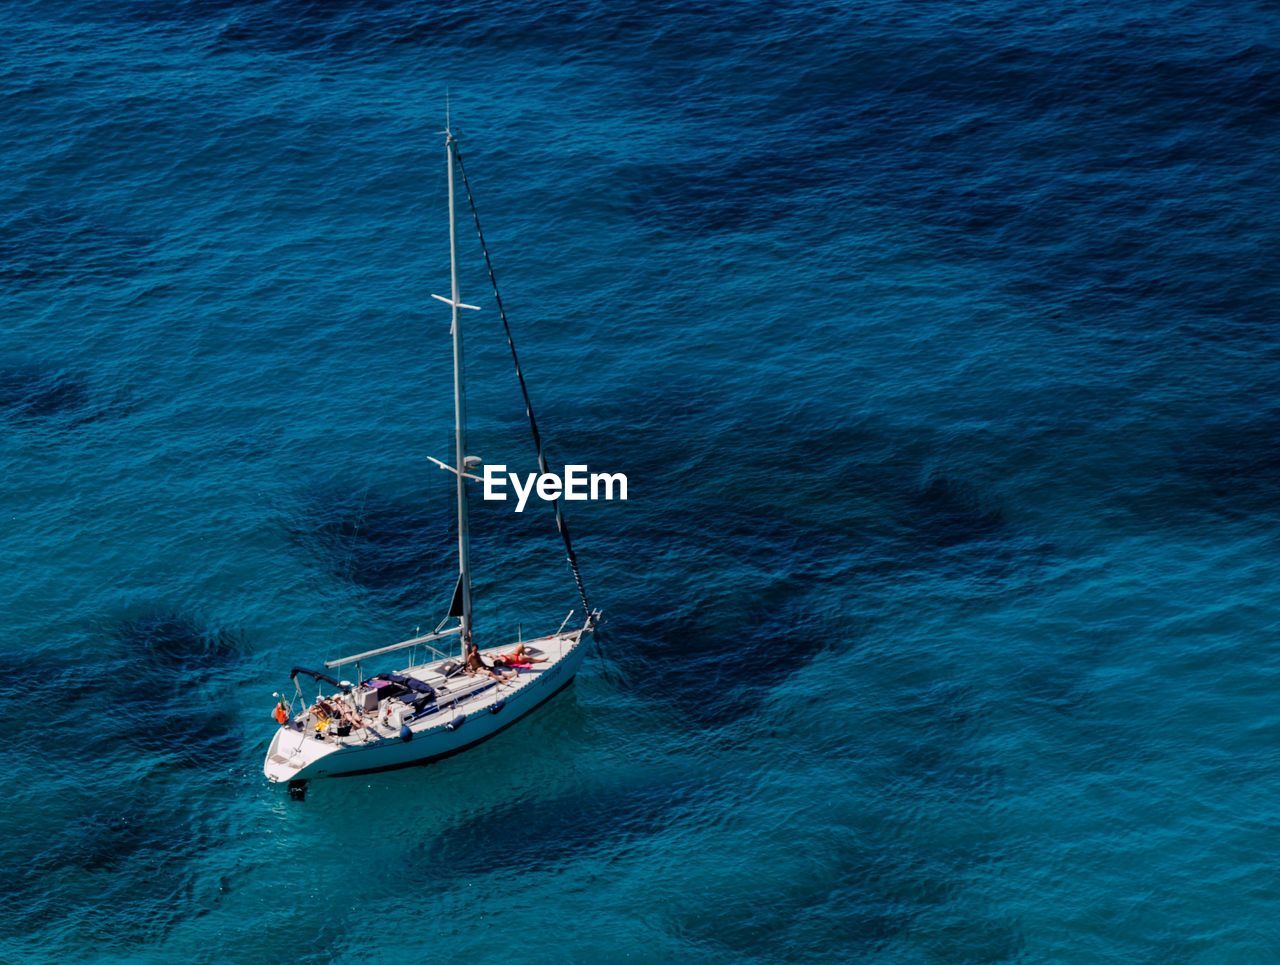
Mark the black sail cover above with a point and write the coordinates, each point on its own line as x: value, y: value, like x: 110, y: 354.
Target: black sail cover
x: 455, y: 608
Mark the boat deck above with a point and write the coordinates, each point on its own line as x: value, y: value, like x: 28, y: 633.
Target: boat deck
x: 458, y: 693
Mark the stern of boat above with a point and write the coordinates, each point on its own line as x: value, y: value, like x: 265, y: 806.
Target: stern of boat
x: 293, y: 757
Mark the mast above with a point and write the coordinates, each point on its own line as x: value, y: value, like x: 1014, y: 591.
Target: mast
x: 459, y: 413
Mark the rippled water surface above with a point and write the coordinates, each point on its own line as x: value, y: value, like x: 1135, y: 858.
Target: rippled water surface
x: 938, y: 342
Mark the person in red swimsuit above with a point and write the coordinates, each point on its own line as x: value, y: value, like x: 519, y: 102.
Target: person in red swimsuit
x: 520, y: 657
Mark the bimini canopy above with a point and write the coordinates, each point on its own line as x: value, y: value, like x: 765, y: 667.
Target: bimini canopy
x: 320, y: 677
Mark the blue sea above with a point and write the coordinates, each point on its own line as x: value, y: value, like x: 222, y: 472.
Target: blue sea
x: 938, y: 342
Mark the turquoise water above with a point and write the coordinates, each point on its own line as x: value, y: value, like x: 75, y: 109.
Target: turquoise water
x: 937, y: 342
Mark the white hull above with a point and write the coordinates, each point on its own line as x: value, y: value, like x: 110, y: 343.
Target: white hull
x: 299, y: 755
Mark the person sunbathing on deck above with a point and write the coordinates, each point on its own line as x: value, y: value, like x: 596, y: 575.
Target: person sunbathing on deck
x: 474, y: 664
x: 521, y: 657
x: 326, y: 709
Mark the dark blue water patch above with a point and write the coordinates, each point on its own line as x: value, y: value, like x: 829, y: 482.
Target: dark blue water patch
x: 161, y: 689
x: 969, y: 185
x: 1058, y: 693
x: 834, y: 137
x: 276, y: 27
x: 863, y: 515
x: 1226, y: 468
x: 904, y: 526
x: 110, y: 837
x: 867, y: 891
x: 131, y: 858
x: 1037, y: 90
x: 62, y: 669
x: 31, y: 393
x: 24, y: 673
x: 729, y: 659
x: 1058, y: 686
x: 920, y: 739
x: 573, y: 30
x: 1232, y: 467
x: 402, y: 554
x: 883, y: 523
x: 144, y: 704
x: 734, y: 649
x: 549, y: 832
x: 1133, y: 298
x: 51, y: 398
x: 924, y: 748
x: 65, y: 245
x: 754, y: 188
x: 675, y: 199
x: 147, y: 694
x: 892, y: 512
x: 398, y: 554
x: 977, y: 938
x: 925, y: 744
x: 673, y: 405
x: 945, y: 512
x: 947, y: 770
x: 187, y: 730
x: 1092, y: 740
x: 18, y: 671
x: 370, y: 27
x: 176, y: 646
x: 887, y: 512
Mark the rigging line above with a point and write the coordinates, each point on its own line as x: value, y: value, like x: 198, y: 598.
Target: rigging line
x: 561, y: 525
x: 355, y: 536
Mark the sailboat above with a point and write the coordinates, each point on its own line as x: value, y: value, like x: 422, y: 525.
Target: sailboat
x: 442, y: 702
